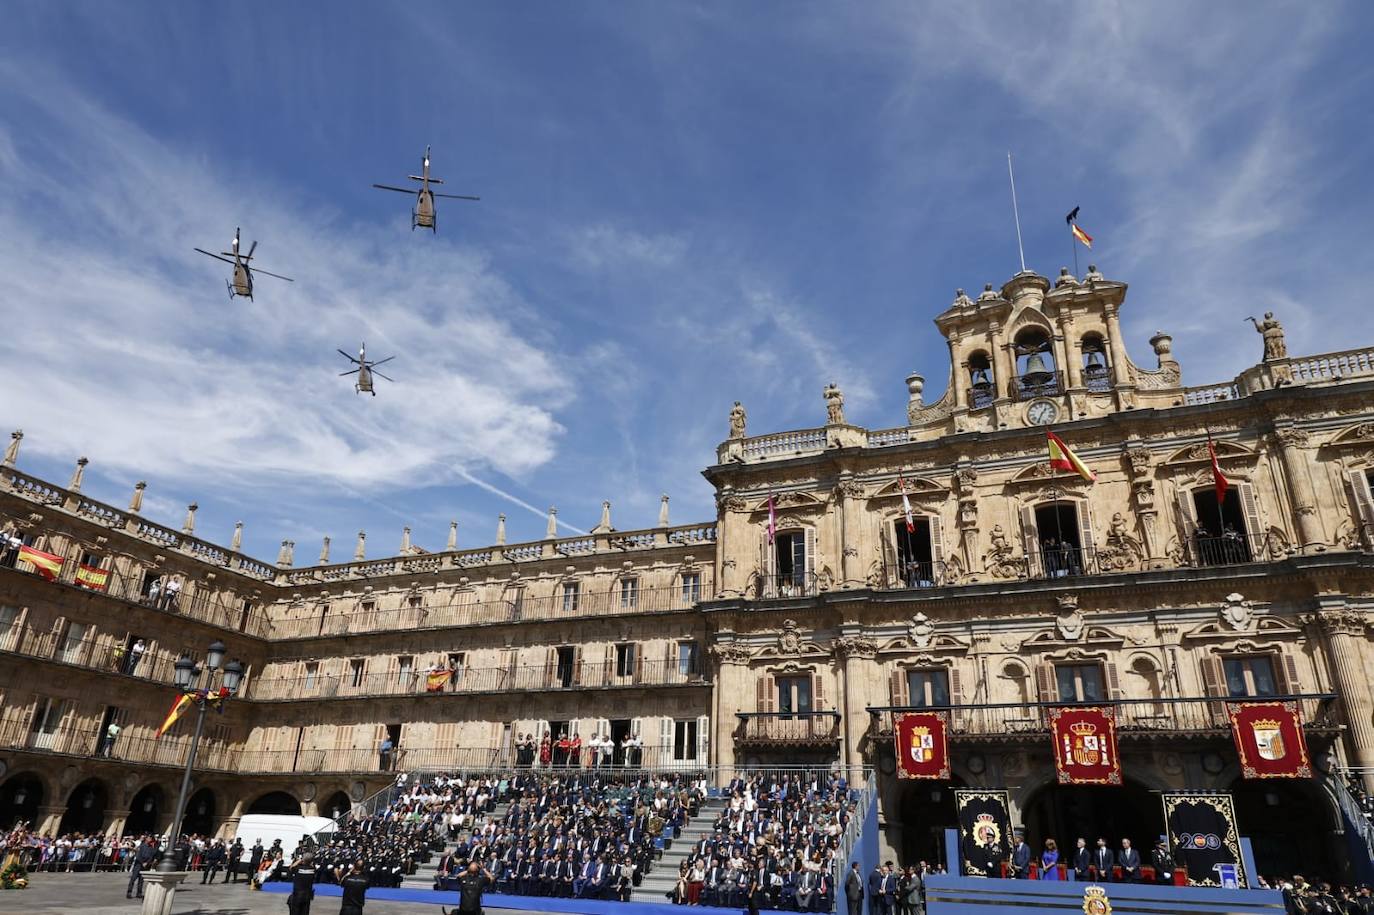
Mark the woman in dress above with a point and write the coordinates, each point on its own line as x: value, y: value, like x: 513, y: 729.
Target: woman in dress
x: 545, y: 751
x: 1049, y: 861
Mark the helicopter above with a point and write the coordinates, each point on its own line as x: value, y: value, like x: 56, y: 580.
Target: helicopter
x: 424, y: 214
x: 365, y: 370
x: 242, y: 283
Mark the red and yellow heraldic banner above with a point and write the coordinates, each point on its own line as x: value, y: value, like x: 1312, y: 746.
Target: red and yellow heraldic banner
x: 922, y: 744
x: 1269, y: 739
x: 1085, y: 745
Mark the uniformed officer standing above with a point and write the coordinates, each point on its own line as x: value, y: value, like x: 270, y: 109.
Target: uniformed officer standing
x: 302, y: 885
x: 471, y: 885
x: 354, y: 890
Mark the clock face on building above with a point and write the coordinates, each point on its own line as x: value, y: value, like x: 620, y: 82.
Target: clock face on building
x: 1042, y: 413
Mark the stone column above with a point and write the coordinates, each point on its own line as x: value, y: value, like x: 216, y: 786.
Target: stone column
x: 1073, y: 368
x: 159, y: 889
x: 852, y: 651
x: 1344, y: 631
x: 848, y: 536
x: 50, y: 818
x: 1115, y: 347
x: 1291, y: 442
x: 732, y: 679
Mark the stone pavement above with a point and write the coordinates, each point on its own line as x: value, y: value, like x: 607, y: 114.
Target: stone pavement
x: 103, y: 894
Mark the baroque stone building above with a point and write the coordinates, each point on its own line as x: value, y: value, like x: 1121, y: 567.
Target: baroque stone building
x: 722, y: 644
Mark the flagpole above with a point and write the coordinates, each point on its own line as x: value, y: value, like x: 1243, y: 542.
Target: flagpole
x: 1016, y: 214
x: 1073, y: 243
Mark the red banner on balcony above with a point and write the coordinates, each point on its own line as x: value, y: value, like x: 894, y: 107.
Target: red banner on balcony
x: 1269, y: 739
x: 922, y: 744
x: 436, y: 680
x: 1085, y: 746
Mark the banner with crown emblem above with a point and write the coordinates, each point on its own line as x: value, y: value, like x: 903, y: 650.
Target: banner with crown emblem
x: 1085, y: 745
x: 984, y: 830
x: 1269, y: 739
x: 922, y: 740
x: 1203, y: 835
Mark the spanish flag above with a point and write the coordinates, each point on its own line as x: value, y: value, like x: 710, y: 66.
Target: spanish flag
x: 177, y: 708
x: 1061, y: 458
x: 91, y: 577
x: 1219, y: 479
x: 45, y: 564
x: 1082, y: 236
x: 435, y: 680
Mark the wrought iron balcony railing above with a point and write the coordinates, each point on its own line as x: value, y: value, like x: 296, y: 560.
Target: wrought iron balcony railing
x: 813, y: 728
x: 785, y: 585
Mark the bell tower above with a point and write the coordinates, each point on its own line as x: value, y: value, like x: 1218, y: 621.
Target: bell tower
x: 1037, y: 354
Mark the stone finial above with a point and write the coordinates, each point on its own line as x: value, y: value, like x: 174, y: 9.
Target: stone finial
x: 915, y: 386
x: 500, y: 530
x: 1065, y: 278
x: 604, y: 525
x: 1093, y: 275
x: 136, y: 502
x: 237, y: 542
x: 987, y: 293
x: 287, y: 554
x: 360, y: 551
x: 1163, y: 346
x: 78, y: 474
x: 663, y: 510
x: 452, y: 536
x: 324, y: 552
x: 189, y: 526
x: 12, y: 450
x: 961, y: 300
x: 551, y: 531
x: 738, y: 420
x: 834, y: 405
x: 405, y: 541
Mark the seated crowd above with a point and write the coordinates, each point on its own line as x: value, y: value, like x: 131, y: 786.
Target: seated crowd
x: 775, y: 844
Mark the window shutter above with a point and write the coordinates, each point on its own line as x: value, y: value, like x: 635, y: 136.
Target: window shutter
x: 577, y: 666
x: 1085, y: 531
x: 665, y: 739
x: 1363, y: 495
x: 768, y: 562
x: 639, y: 666
x: 937, y: 545
x: 703, y: 738
x: 1187, y: 520
x: 1253, y: 529
x: 765, y: 693
x: 899, y: 688
x: 1288, y: 673
x: 1045, y: 682
x: 818, y: 691
x: 1213, y: 677
x: 550, y: 665
x: 887, y: 534
x: 1113, y: 682
x: 1030, y: 538
x: 956, y: 686
x: 811, y: 563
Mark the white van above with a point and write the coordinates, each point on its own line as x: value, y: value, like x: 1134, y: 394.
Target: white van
x: 272, y: 826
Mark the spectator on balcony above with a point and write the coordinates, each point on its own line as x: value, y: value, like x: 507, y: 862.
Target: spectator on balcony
x: 575, y: 751
x: 561, y: 748
x: 107, y: 744
x: 171, y: 594
x: 545, y: 751
x: 1162, y: 862
x: 1129, y: 861
x: 632, y: 750
x: 1082, y: 861
x: 10, y: 542
x: 1019, y: 865
x: 1049, y: 861
x: 1103, y: 861
x: 384, y: 753
x: 136, y: 654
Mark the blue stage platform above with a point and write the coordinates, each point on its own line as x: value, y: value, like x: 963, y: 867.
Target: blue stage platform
x: 946, y: 895
x: 500, y: 901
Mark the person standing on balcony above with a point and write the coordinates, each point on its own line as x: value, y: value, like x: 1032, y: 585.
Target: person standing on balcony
x: 135, y: 654
x: 170, y: 594
x: 1103, y: 860
x: 1020, y: 859
x: 384, y: 753
x: 1082, y: 861
x: 111, y: 735
x: 1049, y: 861
x: 1162, y: 862
x: 1129, y: 859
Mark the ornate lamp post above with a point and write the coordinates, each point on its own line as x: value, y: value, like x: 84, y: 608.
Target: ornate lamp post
x: 187, y: 678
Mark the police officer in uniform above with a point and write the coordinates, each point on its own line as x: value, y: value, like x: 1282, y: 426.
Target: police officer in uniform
x: 354, y: 886
x: 302, y: 885
x: 471, y: 885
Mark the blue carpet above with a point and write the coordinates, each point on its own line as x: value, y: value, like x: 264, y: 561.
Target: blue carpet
x: 516, y: 903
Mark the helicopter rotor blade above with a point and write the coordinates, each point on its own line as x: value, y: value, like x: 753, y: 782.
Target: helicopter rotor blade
x: 382, y: 361
x: 349, y: 372
x: 215, y: 256
x: 458, y: 196
x: 277, y: 275
x: 346, y: 355
x: 380, y: 375
x: 399, y: 190
x: 251, y: 248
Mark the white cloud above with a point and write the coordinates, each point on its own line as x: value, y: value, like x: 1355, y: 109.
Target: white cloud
x: 603, y: 246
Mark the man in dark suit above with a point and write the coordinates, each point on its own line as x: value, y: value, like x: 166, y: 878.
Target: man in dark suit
x: 1020, y: 858
x: 875, y: 892
x: 1082, y: 860
x: 1129, y: 859
x: 889, y: 887
x: 1103, y: 859
x: 854, y: 890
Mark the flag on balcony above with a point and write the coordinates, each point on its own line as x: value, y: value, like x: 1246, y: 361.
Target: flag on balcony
x: 1085, y: 745
x: 436, y: 680
x: 1062, y: 458
x: 922, y: 742
x: 45, y: 564
x: 1218, y: 478
x: 91, y: 577
x: 178, y: 707
x: 1202, y: 834
x: 1269, y: 739
x: 984, y: 830
x: 906, y: 506
x: 772, y: 519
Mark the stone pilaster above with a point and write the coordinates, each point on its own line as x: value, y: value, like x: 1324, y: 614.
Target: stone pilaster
x: 852, y: 651
x: 1344, y: 633
x: 1292, y: 444
x: 732, y: 679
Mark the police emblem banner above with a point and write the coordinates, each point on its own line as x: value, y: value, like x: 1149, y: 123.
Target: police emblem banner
x: 1202, y: 834
x: 1085, y: 745
x: 1269, y: 739
x: 984, y: 830
x: 922, y: 744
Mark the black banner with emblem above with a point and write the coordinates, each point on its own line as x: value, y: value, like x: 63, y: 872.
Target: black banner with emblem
x: 1203, y: 835
x: 984, y: 830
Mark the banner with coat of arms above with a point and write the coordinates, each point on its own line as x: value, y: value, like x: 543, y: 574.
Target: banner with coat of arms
x: 984, y: 830
x: 1203, y: 834
x: 1085, y: 745
x: 922, y: 740
x: 1269, y: 739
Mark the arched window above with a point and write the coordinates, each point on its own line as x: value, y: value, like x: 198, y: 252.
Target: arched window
x: 1035, y: 368
x: 1225, y: 532
x: 1058, y: 539
x: 982, y: 389
x: 1096, y: 374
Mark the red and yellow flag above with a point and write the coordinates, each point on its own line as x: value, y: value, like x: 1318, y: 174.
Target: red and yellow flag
x: 178, y: 707
x: 1062, y: 458
x: 91, y: 577
x: 1219, y: 479
x: 45, y: 564
x: 435, y: 680
x: 1082, y: 236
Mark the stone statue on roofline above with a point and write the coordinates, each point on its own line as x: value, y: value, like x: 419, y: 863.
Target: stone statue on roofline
x: 834, y: 405
x: 1272, y: 331
x: 737, y: 420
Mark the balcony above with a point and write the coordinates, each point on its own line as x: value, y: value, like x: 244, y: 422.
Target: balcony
x: 1037, y: 384
x: 785, y: 585
x: 91, y: 653
x: 1136, y: 719
x: 788, y: 729
x: 913, y: 574
x: 477, y: 680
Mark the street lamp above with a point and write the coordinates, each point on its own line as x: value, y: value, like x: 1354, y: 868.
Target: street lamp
x: 187, y: 676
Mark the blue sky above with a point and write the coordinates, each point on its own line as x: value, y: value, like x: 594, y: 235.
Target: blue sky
x: 684, y: 204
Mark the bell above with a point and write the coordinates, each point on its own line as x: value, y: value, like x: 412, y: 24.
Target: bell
x: 981, y: 377
x: 1035, y: 365
x: 1094, y: 359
